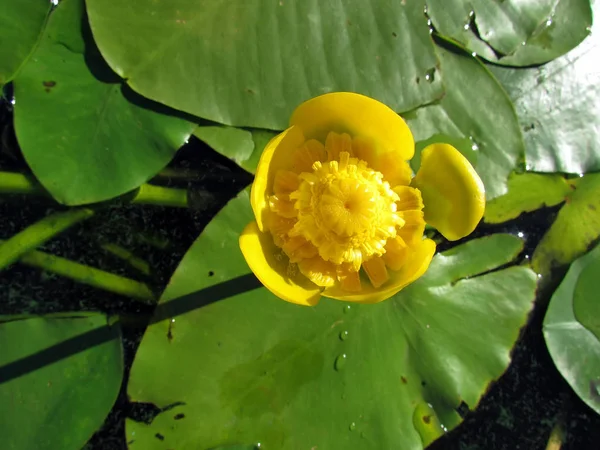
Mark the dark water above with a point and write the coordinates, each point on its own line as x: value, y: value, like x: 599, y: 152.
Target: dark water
x: 517, y: 412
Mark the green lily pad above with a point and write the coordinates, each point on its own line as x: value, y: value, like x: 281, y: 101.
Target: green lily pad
x: 86, y: 137
x: 235, y: 143
x: 21, y: 23
x: 252, y: 62
x: 465, y: 112
x: 558, y: 109
x: 261, y: 139
x: 513, y: 32
x: 59, y: 379
x: 576, y: 227
x: 240, y: 145
x: 244, y: 367
x: 527, y: 192
x: 572, y: 329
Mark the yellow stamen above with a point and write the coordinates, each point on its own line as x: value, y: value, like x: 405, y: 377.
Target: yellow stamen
x: 346, y: 210
x: 333, y: 214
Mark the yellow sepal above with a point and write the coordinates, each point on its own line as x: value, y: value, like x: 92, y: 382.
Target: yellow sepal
x: 452, y: 192
x: 357, y: 115
x: 415, y: 266
x: 274, y: 270
x: 277, y: 155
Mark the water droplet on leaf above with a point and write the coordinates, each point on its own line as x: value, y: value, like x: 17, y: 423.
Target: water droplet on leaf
x: 340, y: 362
x: 344, y: 335
x: 352, y: 426
x: 430, y: 75
x: 346, y: 309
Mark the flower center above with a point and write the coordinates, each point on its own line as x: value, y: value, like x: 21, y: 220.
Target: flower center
x: 345, y: 210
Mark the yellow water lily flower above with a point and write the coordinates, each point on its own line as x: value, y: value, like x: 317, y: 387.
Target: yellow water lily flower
x: 338, y: 212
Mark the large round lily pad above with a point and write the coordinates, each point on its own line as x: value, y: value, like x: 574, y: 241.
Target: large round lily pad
x: 251, y: 62
x: 59, y: 378
x: 513, y: 32
x: 572, y: 328
x: 558, y: 109
x: 21, y: 24
x: 237, y: 366
x: 85, y: 135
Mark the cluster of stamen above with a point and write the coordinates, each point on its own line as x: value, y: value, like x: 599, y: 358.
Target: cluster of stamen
x: 332, y: 215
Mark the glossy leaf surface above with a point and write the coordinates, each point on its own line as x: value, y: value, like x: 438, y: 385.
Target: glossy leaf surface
x: 21, y: 23
x: 558, y: 109
x: 467, y: 113
x: 78, y: 125
x: 235, y: 143
x: 251, y: 62
x: 572, y: 328
x: 527, y: 192
x: 576, y: 227
x: 513, y: 32
x: 59, y: 378
x: 241, y: 367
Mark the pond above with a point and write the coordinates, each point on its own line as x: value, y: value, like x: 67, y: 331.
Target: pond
x: 131, y: 139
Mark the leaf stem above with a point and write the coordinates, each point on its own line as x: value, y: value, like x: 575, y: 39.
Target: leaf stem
x: 18, y: 183
x: 134, y: 261
x: 149, y: 194
x: 557, y: 436
x: 35, y: 235
x: 88, y: 275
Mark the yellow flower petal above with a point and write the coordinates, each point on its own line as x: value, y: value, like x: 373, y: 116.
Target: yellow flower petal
x: 415, y: 266
x: 376, y: 271
x: 348, y: 277
x: 277, y: 155
x: 305, y: 156
x: 320, y: 272
x: 337, y: 143
x: 357, y: 115
x: 282, y: 205
x: 286, y: 182
x: 274, y: 270
x: 409, y: 198
x: 453, y: 193
x: 394, y: 169
x: 414, y: 226
x: 396, y: 253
